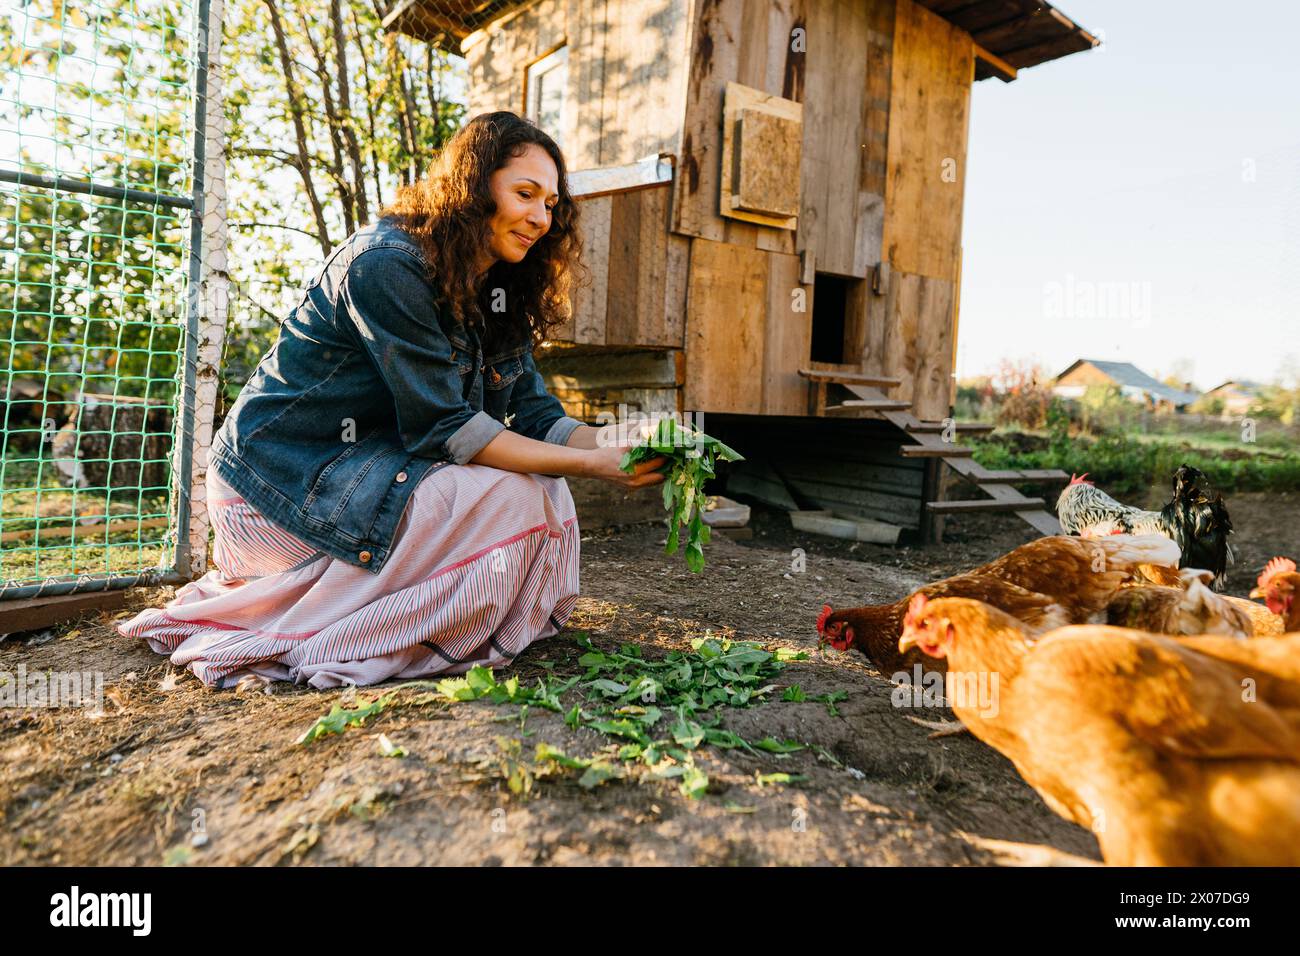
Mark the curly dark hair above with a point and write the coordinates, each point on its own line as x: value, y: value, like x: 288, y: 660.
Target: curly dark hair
x: 447, y: 213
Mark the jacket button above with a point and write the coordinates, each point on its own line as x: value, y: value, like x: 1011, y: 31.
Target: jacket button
x: 496, y: 376
x: 364, y: 557
x: 401, y: 477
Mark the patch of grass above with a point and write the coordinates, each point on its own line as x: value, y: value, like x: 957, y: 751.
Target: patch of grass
x: 53, y: 531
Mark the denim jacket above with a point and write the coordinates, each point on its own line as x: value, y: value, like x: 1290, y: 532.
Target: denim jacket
x: 369, y: 386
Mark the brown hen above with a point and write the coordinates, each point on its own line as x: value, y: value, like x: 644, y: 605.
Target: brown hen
x: 1174, y: 753
x: 1044, y: 584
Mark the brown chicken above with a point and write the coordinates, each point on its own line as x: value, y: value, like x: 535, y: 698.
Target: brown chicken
x: 1045, y: 584
x: 1190, y: 609
x: 1174, y: 753
x: 1278, y: 585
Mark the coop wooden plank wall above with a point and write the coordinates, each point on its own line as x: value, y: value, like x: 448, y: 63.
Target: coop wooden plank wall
x: 637, y: 292
x: 885, y: 88
x: 749, y: 42
x: 627, y: 73
x: 933, y: 66
x: 498, y: 56
x: 909, y: 332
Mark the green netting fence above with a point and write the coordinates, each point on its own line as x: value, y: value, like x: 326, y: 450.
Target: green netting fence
x: 101, y: 161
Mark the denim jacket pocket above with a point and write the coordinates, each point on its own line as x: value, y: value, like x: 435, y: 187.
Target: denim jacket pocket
x: 462, y: 353
x: 349, y: 491
x: 502, y: 373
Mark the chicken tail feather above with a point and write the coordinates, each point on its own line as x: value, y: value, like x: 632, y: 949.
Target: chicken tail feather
x: 1126, y: 550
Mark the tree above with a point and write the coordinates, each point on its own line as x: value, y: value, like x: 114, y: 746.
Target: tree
x: 325, y: 107
x: 93, y: 288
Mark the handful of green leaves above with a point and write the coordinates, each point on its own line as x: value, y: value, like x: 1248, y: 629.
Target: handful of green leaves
x: 691, y: 455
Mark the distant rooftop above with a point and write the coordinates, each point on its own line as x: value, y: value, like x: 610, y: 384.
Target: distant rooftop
x: 1245, y: 384
x: 1129, y: 377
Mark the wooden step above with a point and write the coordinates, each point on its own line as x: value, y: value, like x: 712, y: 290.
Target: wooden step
x: 1014, y: 477
x: 984, y: 504
x: 860, y: 405
x: 932, y: 451
x: 965, y: 428
x: 849, y: 378
x: 977, y: 473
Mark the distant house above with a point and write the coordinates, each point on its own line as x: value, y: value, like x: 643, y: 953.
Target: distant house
x: 1133, y: 383
x: 1237, y: 395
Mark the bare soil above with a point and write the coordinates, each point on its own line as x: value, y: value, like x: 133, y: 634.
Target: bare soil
x: 170, y: 756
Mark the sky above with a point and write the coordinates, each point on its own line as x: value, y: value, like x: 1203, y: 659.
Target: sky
x: 1141, y: 201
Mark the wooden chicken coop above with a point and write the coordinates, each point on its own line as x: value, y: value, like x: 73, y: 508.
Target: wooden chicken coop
x: 772, y: 201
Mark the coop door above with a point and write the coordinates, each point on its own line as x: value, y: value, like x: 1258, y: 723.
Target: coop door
x: 831, y: 297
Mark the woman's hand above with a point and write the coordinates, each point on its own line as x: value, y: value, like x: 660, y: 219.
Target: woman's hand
x: 603, y: 463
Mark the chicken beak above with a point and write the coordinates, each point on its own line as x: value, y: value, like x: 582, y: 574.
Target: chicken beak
x: 1258, y: 593
x: 907, y: 640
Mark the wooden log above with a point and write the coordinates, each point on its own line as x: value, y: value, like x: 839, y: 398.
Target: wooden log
x: 30, y: 614
x: 115, y: 442
x: 87, y: 531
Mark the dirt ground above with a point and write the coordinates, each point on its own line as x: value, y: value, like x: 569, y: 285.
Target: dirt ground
x: 169, y: 757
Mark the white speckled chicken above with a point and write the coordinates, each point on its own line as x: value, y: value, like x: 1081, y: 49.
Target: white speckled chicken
x: 1197, y: 522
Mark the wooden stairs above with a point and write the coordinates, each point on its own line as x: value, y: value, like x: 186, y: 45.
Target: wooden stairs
x: 931, y: 442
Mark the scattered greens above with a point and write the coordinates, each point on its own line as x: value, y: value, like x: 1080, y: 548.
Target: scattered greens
x: 768, y: 779
x: 658, y: 713
x: 340, y: 719
x: 830, y: 700
x: 691, y: 455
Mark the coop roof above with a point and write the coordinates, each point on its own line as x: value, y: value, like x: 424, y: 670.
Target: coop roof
x: 1021, y: 33
x: 1131, y: 379
x: 1018, y: 33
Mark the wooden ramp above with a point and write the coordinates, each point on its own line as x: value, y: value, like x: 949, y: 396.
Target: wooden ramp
x: 930, y: 442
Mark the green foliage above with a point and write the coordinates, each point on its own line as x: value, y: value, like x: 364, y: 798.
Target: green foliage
x: 366, y: 131
x: 340, y: 719
x: 93, y: 290
x: 658, y: 713
x: 1124, y: 465
x: 691, y: 455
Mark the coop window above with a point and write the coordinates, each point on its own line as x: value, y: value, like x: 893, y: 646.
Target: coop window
x: 830, y: 303
x: 544, y: 92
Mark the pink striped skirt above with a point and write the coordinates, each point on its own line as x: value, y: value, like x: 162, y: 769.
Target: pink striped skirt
x: 484, y: 563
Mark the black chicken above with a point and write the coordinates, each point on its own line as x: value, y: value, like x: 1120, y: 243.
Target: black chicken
x: 1195, y: 518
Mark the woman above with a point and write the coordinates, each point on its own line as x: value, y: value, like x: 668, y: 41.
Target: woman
x: 385, y: 493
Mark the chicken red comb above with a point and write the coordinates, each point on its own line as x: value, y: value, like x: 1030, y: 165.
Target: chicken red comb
x: 1079, y: 479
x: 821, y: 618
x: 915, y: 608
x: 1275, y: 567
